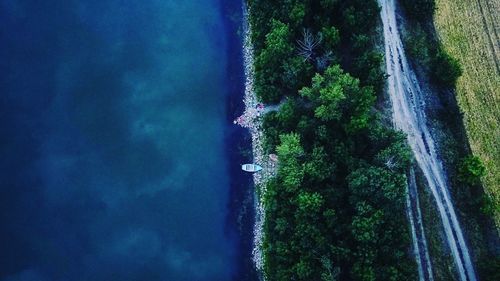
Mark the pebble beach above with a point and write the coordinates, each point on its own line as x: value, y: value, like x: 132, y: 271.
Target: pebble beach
x: 252, y: 120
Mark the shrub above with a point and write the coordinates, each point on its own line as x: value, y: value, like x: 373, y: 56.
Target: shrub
x: 471, y: 170
x: 489, y: 206
x: 445, y: 69
x: 417, y: 45
x: 419, y: 9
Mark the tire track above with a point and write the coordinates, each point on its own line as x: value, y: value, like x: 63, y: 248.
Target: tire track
x: 492, y: 42
x: 409, y: 116
x: 420, y: 248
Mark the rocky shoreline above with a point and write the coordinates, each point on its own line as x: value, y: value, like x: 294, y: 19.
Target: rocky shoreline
x: 252, y: 120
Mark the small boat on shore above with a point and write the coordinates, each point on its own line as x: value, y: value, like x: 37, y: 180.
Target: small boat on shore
x: 252, y: 168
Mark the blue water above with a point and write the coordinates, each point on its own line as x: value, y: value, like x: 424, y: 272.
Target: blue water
x: 114, y: 132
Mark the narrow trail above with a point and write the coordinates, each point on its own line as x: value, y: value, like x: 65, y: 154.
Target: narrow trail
x: 420, y: 248
x: 409, y: 116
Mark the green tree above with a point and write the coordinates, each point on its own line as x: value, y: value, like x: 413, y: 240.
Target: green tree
x: 367, y: 68
x: 310, y: 203
x: 445, y: 70
x: 327, y: 94
x: 304, y: 270
x: 288, y: 115
x: 417, y: 45
x: 290, y: 169
x: 489, y: 206
x: 419, y: 9
x: 318, y: 168
x: 268, y: 63
x: 364, y: 227
x: 378, y: 186
x: 363, y: 272
x: 295, y: 71
x: 328, y: 4
x: 297, y: 14
x: 471, y: 170
x: 336, y: 94
x: 271, y: 127
x: 365, y: 223
x: 396, y: 156
x: 331, y: 37
x: 360, y: 16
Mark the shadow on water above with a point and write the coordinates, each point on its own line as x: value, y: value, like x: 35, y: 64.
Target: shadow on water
x: 238, y: 145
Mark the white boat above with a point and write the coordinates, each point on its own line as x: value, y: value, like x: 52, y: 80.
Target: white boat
x: 252, y: 168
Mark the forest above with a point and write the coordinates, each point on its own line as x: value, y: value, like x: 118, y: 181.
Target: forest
x: 336, y: 209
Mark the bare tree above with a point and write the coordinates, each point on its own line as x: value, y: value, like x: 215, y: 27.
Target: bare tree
x: 308, y: 43
x: 390, y: 163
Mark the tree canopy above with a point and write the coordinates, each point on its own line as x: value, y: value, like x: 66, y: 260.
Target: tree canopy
x: 335, y: 210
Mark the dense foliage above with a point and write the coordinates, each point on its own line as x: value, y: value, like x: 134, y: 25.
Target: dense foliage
x: 419, y: 9
x: 445, y: 70
x: 471, y: 170
x: 336, y: 209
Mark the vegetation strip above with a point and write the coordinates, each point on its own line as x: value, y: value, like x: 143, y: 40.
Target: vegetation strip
x: 466, y: 29
x: 336, y: 208
x: 460, y: 46
x: 410, y: 117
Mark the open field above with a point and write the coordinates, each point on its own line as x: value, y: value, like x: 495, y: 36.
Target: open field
x: 469, y: 30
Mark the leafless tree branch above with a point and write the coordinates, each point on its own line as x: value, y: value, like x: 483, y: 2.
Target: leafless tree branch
x: 308, y: 43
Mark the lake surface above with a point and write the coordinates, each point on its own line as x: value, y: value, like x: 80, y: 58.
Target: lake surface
x: 116, y: 143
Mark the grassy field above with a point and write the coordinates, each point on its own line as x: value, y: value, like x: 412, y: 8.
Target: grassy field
x: 469, y: 30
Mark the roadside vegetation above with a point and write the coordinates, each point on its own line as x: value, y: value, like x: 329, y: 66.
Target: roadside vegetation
x: 454, y: 47
x: 444, y: 69
x: 468, y: 31
x: 336, y: 209
x: 442, y: 38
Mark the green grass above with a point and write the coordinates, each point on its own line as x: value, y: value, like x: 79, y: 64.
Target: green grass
x: 466, y: 29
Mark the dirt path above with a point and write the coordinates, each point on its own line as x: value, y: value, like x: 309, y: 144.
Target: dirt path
x: 409, y: 117
x: 420, y: 248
